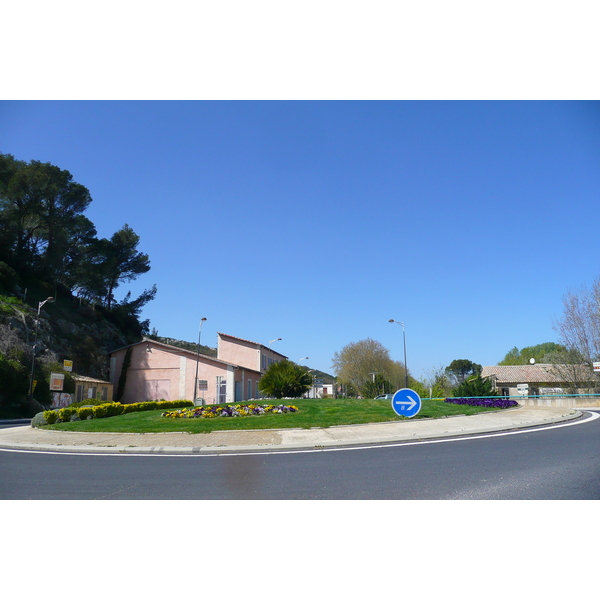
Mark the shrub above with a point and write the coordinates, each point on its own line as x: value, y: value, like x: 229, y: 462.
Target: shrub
x: 106, y: 409
x: 39, y: 420
x: 113, y: 409
x: 65, y: 414
x: 99, y: 412
x: 88, y: 402
x: 85, y: 412
x: 50, y: 416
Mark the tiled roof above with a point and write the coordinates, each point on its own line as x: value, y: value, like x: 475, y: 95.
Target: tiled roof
x: 524, y: 373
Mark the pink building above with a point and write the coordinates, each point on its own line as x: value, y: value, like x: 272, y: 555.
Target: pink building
x: 158, y: 371
x: 245, y: 353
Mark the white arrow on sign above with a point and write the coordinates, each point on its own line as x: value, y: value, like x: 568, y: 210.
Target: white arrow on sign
x: 411, y: 402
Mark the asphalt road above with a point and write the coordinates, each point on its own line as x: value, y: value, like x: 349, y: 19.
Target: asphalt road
x: 562, y: 463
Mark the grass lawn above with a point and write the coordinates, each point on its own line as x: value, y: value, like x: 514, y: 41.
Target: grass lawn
x: 312, y: 413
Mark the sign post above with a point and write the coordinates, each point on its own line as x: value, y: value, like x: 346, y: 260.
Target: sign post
x: 406, y: 403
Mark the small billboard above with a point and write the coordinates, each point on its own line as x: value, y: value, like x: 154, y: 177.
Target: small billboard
x: 57, y: 381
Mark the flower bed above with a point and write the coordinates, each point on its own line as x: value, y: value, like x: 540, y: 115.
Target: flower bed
x: 487, y: 402
x: 233, y: 410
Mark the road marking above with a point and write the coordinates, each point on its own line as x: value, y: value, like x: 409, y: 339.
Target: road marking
x: 533, y: 429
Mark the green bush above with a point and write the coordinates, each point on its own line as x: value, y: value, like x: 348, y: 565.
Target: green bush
x: 50, y: 416
x: 99, y: 412
x: 88, y: 402
x: 113, y: 409
x: 107, y: 409
x: 84, y: 412
x: 65, y: 414
x: 39, y: 420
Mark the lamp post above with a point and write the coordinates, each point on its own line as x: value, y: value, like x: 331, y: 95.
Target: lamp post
x: 404, y: 338
x: 305, y: 358
x: 198, y: 360
x: 276, y: 340
x: 34, y: 347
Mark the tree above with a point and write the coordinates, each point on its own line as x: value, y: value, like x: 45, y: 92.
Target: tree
x: 542, y: 353
x: 378, y: 385
x: 358, y: 363
x: 39, y: 206
x: 119, y: 260
x: 437, y: 383
x: 579, y: 332
x: 126, y: 314
x: 475, y: 387
x: 285, y: 379
x: 579, y: 327
x: 461, y: 368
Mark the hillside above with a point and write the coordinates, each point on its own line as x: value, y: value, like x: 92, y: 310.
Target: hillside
x: 191, y: 346
x: 68, y: 329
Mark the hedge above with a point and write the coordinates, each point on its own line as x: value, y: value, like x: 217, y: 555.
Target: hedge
x: 108, y: 409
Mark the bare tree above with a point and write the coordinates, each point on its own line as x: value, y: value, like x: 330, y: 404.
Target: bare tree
x: 579, y: 332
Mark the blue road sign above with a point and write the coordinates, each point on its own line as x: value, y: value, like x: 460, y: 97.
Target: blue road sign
x: 406, y: 403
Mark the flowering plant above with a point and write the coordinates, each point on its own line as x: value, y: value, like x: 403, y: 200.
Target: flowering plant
x: 487, y: 402
x: 232, y: 410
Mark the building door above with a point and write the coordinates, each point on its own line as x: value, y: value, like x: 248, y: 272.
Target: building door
x: 221, y: 389
x: 157, y: 389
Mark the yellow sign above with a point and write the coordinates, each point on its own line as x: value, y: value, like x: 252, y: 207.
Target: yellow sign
x: 68, y: 365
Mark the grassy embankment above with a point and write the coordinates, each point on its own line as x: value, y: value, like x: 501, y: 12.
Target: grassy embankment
x: 312, y: 413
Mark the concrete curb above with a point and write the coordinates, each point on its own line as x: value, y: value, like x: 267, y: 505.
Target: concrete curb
x: 30, y: 439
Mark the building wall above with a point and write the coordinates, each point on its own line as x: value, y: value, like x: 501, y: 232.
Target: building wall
x: 249, y: 355
x: 238, y: 352
x: 170, y: 374
x: 85, y: 388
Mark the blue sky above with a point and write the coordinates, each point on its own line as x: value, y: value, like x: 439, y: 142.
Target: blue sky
x: 319, y: 221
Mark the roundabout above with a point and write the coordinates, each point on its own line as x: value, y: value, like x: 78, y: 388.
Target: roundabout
x: 26, y: 438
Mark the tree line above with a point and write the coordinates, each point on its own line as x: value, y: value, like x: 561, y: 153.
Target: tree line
x: 44, y: 236
x: 49, y: 248
x: 365, y: 368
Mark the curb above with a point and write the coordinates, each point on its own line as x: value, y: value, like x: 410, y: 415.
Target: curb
x: 110, y: 449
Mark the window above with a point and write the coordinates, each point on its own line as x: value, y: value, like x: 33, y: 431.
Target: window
x: 104, y: 394
x: 249, y: 389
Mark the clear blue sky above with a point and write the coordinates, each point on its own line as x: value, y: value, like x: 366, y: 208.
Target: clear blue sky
x: 317, y: 222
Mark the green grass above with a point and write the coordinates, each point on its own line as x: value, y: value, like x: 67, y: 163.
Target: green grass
x: 312, y: 413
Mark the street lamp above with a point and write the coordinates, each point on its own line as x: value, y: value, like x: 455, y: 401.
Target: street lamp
x: 405, y: 365
x: 305, y: 358
x: 277, y: 340
x: 34, y: 346
x: 198, y: 360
